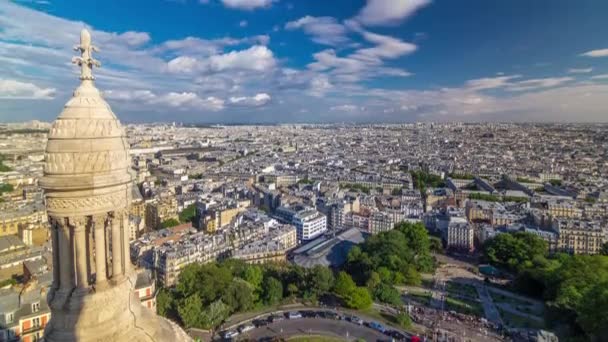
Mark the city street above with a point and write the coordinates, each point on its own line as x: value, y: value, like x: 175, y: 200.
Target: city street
x: 314, y: 326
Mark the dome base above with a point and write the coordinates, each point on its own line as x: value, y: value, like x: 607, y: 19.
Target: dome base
x: 112, y: 314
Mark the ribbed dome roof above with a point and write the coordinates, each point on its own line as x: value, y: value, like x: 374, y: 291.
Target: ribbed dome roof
x: 86, y: 144
x: 87, y: 149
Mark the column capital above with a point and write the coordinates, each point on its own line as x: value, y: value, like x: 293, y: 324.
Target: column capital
x: 78, y: 222
x: 118, y: 214
x: 99, y: 220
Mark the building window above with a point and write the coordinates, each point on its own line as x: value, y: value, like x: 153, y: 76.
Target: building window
x: 36, y: 307
x: 8, y: 317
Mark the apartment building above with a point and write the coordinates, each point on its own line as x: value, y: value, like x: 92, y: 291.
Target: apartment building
x: 460, y: 236
x: 159, y: 210
x: 579, y: 236
x: 274, y: 247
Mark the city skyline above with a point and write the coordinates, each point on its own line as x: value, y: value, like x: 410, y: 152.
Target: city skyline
x: 278, y: 61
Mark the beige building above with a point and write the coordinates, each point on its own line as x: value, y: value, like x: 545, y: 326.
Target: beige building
x: 479, y: 210
x: 579, y: 237
x: 160, y: 210
x: 273, y: 248
x: 31, y: 216
x: 380, y: 221
x: 460, y: 236
x: 565, y: 209
x: 213, y: 217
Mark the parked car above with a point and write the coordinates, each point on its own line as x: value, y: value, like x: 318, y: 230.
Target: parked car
x: 377, y: 326
x: 331, y: 315
x: 356, y: 320
x: 294, y: 315
x: 275, y: 318
x: 399, y: 336
x: 246, y: 327
x: 229, y: 334
x: 309, y: 314
x: 260, y: 322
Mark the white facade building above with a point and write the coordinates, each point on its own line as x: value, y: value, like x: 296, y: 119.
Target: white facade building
x: 309, y: 224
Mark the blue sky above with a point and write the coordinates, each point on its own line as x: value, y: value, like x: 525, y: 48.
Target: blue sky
x: 259, y: 61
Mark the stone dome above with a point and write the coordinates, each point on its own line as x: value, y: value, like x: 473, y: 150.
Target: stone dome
x: 87, y: 157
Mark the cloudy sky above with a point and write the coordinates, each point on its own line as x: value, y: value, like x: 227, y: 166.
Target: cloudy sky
x: 260, y: 61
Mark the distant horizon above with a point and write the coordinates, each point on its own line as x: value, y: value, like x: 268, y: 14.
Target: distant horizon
x: 210, y: 124
x: 271, y: 61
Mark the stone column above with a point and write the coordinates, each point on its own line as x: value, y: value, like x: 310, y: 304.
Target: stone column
x: 66, y: 257
x: 126, y: 235
x: 80, y: 246
x: 55, y: 245
x: 99, y: 223
x: 117, y: 248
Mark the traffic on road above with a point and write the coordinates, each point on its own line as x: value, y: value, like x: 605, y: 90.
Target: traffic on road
x: 381, y: 332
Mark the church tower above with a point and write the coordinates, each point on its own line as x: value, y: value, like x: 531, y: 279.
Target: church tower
x: 87, y: 187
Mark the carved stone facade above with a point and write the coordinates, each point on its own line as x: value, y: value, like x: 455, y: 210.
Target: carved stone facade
x: 88, y: 191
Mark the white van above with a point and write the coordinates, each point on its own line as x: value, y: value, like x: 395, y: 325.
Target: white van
x: 294, y: 315
x: 245, y: 328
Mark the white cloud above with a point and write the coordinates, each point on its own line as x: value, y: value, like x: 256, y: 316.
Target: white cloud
x: 386, y: 47
x: 251, y: 101
x: 255, y: 58
x: 13, y: 89
x: 128, y: 95
x: 600, y: 77
x: 506, y: 82
x: 363, y: 63
x: 133, y: 38
x: 346, y: 108
x: 183, y: 64
x: 247, y: 4
x: 388, y: 12
x: 243, y: 23
x: 538, y: 83
x: 180, y: 100
x: 320, y: 85
x: 579, y: 70
x: 572, y: 102
x: 206, y: 47
x: 324, y: 30
x: 489, y: 82
x: 596, y: 53
x: 189, y: 100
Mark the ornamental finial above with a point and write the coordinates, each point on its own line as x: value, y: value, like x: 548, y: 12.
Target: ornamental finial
x: 86, y: 61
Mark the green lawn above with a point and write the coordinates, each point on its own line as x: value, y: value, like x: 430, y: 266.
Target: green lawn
x: 382, y: 317
x: 461, y: 289
x: 519, y: 304
x: 517, y: 321
x: 427, y: 283
x: 421, y: 297
x: 464, y: 306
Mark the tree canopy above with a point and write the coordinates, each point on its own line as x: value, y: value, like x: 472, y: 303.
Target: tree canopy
x: 170, y: 223
x: 573, y: 286
x: 397, y: 256
x: 187, y: 214
x: 206, y: 294
x: 515, y: 250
